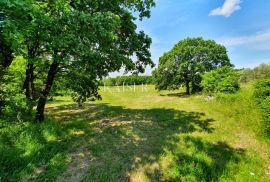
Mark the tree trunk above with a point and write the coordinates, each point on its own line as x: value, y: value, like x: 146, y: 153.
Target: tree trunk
x: 2, y: 99
x: 48, y: 85
x: 28, y: 83
x: 187, y: 88
x: 29, y: 86
x: 2, y: 104
x: 6, y: 58
x: 6, y: 54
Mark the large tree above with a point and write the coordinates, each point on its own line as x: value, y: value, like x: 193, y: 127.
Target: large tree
x: 88, y: 40
x: 77, y: 40
x: 187, y: 61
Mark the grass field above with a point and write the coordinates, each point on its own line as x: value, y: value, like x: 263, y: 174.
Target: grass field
x: 140, y: 136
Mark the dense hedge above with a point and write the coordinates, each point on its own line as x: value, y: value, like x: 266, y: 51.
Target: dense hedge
x: 224, y: 79
x: 262, y: 97
x: 127, y: 80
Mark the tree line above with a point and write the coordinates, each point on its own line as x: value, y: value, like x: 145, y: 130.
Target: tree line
x: 259, y: 72
x: 128, y: 80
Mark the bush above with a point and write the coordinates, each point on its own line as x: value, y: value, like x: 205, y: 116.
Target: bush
x: 224, y: 79
x: 262, y: 97
x: 262, y: 90
x: 127, y: 80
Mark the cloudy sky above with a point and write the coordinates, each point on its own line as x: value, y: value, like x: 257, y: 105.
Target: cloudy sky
x: 243, y: 26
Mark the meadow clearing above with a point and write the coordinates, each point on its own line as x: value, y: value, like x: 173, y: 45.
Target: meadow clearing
x: 200, y: 110
x: 140, y: 135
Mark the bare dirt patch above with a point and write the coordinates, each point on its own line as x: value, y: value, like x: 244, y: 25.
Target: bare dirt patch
x: 79, y: 165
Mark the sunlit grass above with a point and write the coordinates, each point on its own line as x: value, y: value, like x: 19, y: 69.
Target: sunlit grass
x: 140, y: 135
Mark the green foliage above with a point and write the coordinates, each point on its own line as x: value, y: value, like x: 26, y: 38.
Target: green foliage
x: 260, y: 72
x: 224, y: 79
x: 11, y: 90
x: 127, y: 80
x: 262, y: 97
x: 265, y: 110
x: 262, y: 90
x: 187, y: 61
x: 55, y: 40
x: 86, y: 88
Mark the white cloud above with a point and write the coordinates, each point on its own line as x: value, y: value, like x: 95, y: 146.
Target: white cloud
x: 258, y: 41
x: 229, y: 7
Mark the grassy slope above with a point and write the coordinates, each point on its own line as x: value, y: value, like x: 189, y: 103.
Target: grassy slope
x: 140, y: 136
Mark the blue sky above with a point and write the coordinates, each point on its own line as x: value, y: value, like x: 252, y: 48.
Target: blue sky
x: 243, y: 26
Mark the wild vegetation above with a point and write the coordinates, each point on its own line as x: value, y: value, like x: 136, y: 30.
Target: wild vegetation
x: 196, y: 118
x: 262, y: 97
x: 224, y: 79
x: 174, y: 137
x: 260, y: 72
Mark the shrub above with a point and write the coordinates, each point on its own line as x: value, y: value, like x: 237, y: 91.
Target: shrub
x: 262, y: 90
x: 265, y: 109
x: 224, y: 79
x: 262, y: 97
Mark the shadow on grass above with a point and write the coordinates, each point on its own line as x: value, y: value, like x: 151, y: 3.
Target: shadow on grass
x: 207, y: 161
x: 181, y: 95
x: 125, y: 145
x: 28, y: 149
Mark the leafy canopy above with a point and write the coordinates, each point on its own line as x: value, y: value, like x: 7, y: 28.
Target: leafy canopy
x: 187, y: 61
x: 104, y: 39
x: 80, y: 42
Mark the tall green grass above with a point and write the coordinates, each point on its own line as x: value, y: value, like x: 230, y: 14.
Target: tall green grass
x: 26, y: 148
x: 140, y: 135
